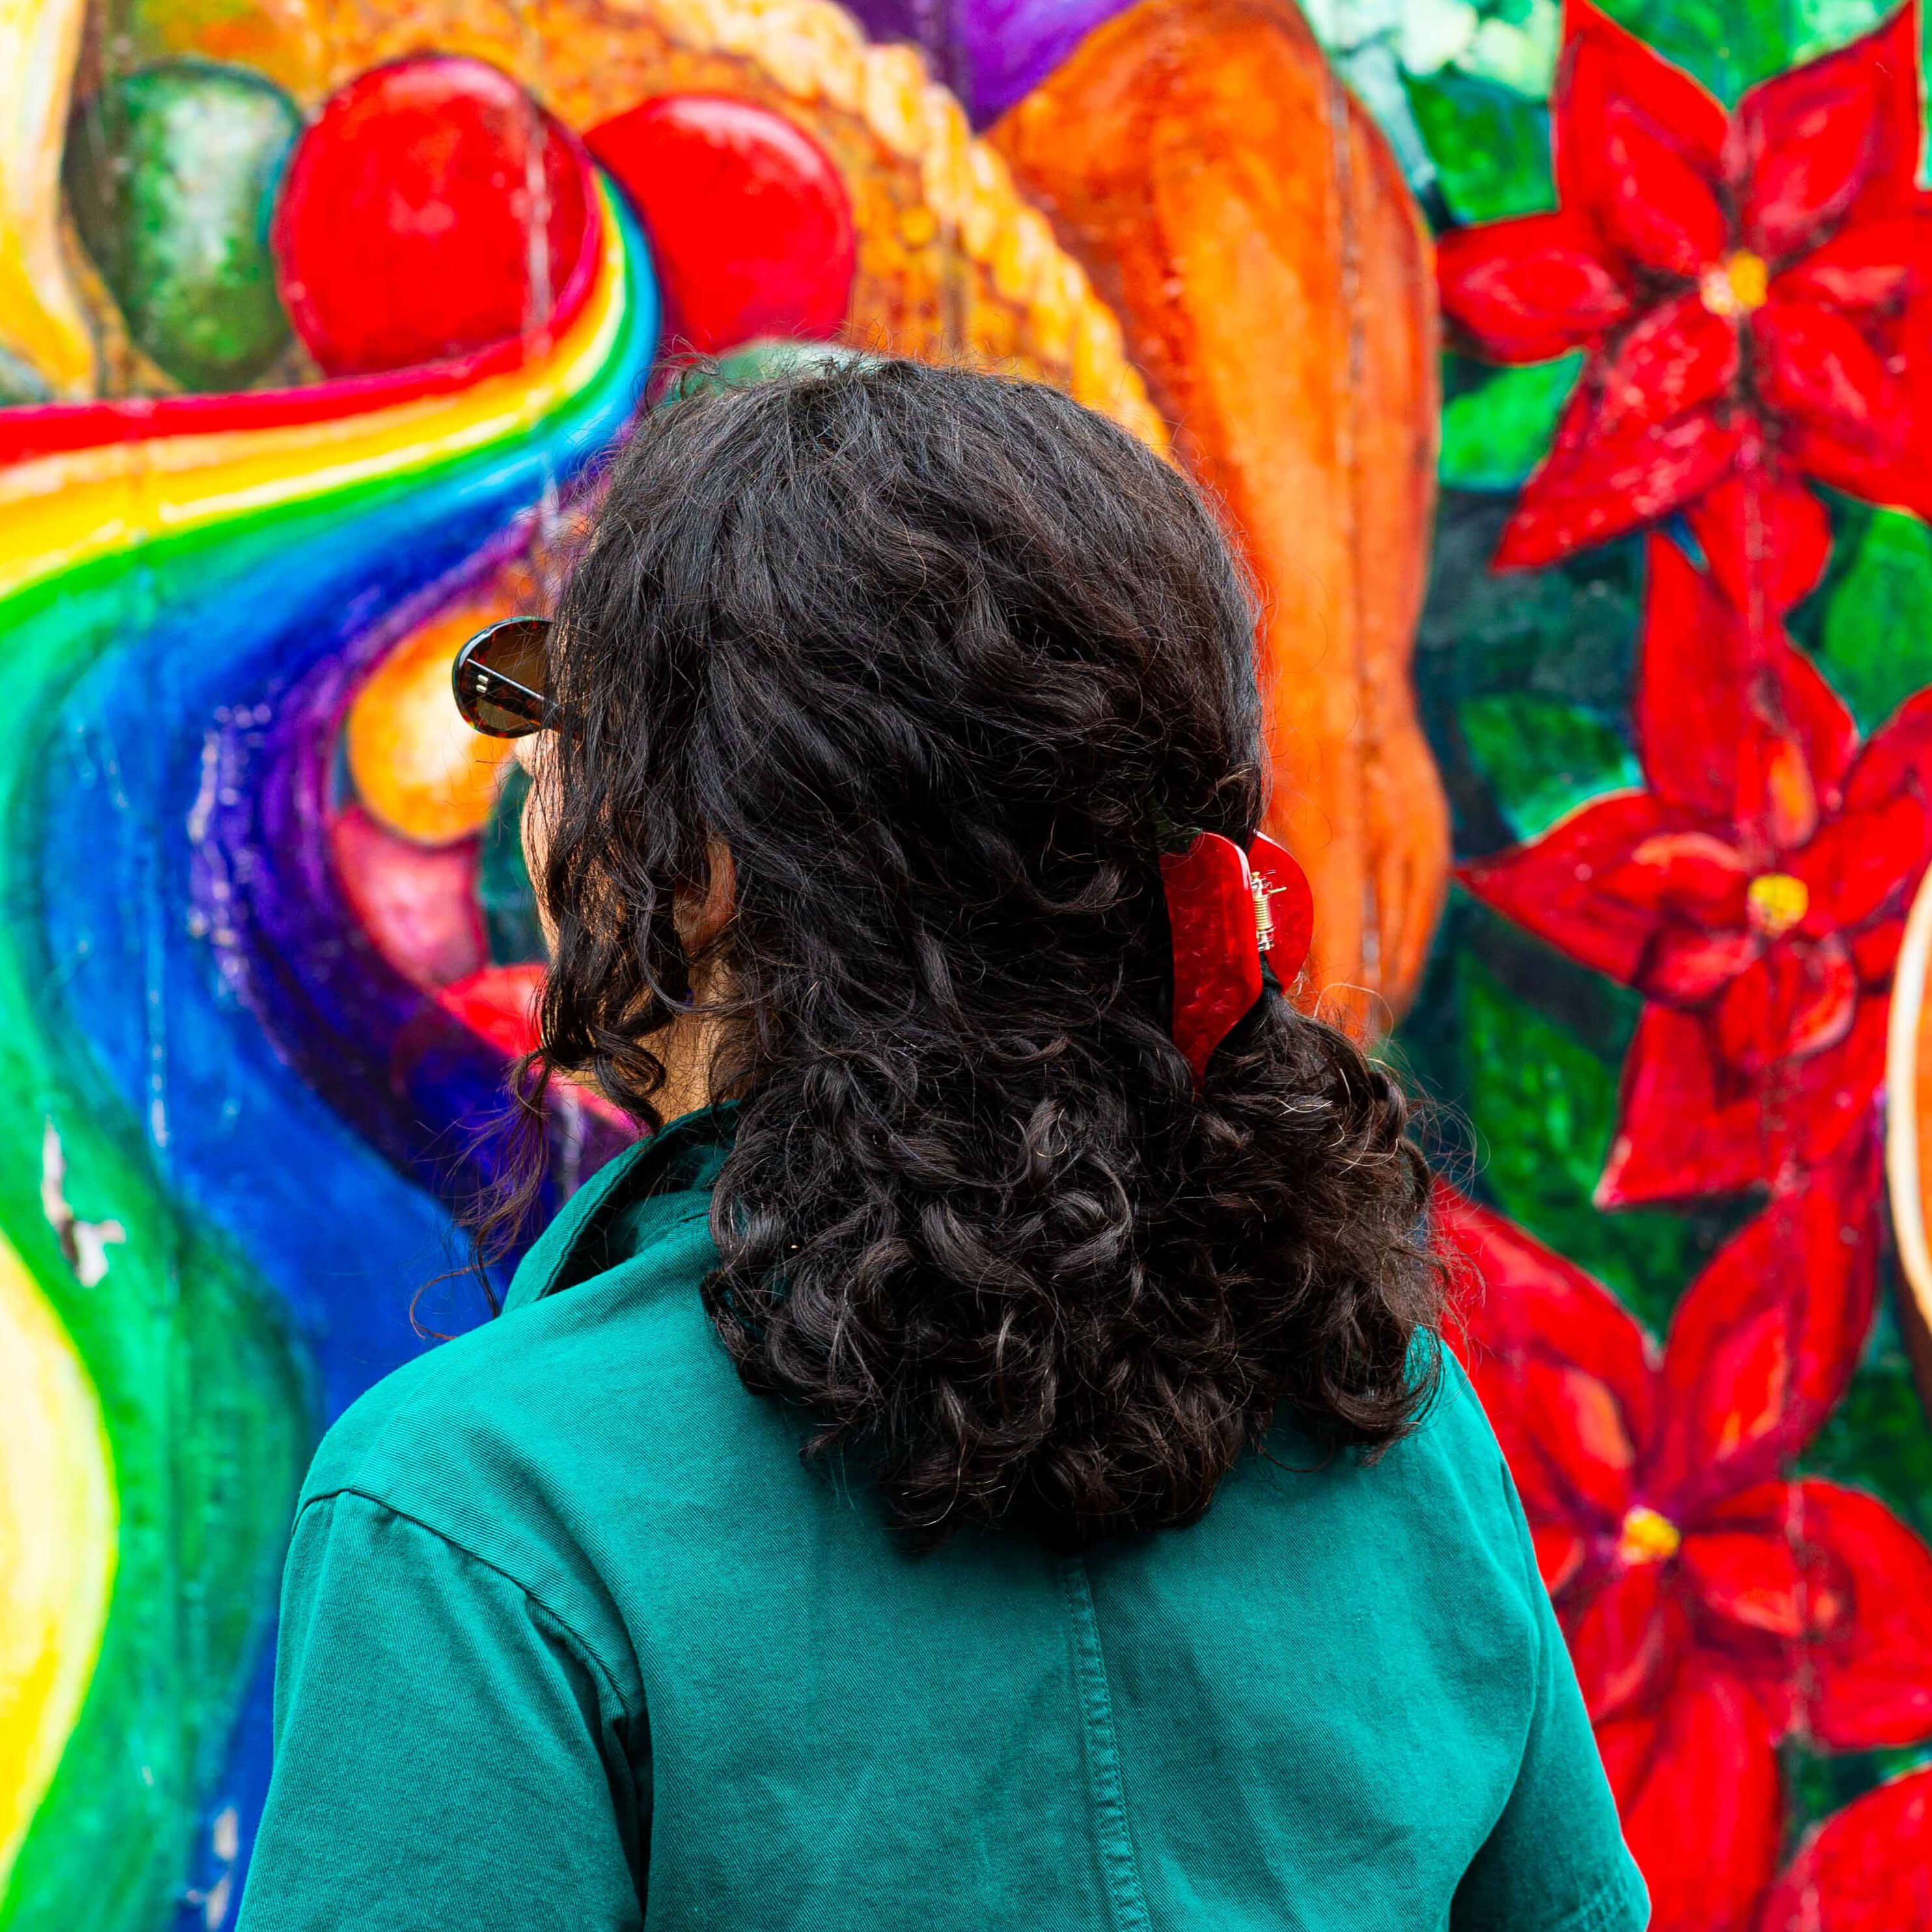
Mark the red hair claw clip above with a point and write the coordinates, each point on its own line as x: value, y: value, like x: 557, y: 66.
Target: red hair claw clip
x: 1226, y: 908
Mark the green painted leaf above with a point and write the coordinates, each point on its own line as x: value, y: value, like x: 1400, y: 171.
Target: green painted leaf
x: 1542, y: 756
x: 1569, y: 632
x: 1516, y: 45
x: 762, y: 360
x: 1820, y: 1782
x: 1877, y: 642
x: 1493, y: 437
x: 1543, y: 1106
x: 1726, y: 47
x: 1491, y: 147
x: 1817, y: 26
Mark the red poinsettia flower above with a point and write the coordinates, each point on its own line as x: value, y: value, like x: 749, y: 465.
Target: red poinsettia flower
x: 1697, y: 1787
x: 1754, y: 892
x: 1755, y: 289
x: 1653, y: 1483
x: 1712, y: 1606
x: 1866, y: 1869
x: 1702, y: 1808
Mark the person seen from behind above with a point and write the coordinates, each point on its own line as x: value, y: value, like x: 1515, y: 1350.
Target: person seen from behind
x: 985, y: 1457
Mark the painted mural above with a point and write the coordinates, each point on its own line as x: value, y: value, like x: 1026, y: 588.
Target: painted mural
x: 1567, y: 375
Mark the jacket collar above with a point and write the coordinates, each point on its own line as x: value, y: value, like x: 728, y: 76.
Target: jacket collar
x: 685, y: 1155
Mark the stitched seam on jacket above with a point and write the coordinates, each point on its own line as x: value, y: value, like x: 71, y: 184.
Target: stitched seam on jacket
x: 1125, y: 1897
x: 1607, y: 1908
x: 563, y: 1624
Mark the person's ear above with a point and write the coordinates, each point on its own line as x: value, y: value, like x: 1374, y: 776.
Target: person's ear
x: 700, y: 922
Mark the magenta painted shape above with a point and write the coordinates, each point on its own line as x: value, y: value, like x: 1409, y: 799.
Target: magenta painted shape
x: 418, y: 906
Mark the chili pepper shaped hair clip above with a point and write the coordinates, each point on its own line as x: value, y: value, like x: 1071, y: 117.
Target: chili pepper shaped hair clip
x: 1225, y: 909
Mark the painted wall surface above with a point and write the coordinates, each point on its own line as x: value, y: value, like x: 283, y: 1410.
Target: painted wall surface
x: 1569, y: 376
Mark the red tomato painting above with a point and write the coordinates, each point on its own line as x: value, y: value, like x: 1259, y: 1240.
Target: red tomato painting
x: 750, y: 226
x: 432, y: 209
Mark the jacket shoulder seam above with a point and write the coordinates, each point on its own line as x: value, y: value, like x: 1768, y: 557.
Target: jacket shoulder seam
x: 482, y: 1562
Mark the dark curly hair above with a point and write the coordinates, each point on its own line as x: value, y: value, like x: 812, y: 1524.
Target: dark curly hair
x: 937, y: 657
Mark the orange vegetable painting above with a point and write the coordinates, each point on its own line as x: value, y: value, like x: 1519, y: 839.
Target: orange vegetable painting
x: 1223, y: 195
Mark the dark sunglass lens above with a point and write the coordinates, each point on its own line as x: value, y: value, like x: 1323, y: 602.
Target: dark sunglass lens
x: 518, y: 650
x: 500, y: 678
x: 488, y: 705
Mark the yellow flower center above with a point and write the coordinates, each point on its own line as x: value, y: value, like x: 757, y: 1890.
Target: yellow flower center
x: 1647, y: 1537
x: 1777, y: 902
x: 1735, y: 285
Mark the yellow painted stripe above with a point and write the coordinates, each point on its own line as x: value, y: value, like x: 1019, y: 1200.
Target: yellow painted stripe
x: 60, y: 511
x: 59, y: 1519
x: 41, y: 317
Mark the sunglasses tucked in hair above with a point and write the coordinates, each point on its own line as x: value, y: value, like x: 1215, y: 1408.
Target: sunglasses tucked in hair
x: 501, y: 678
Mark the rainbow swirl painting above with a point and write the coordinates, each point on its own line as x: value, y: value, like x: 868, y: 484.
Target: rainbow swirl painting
x: 202, y: 1260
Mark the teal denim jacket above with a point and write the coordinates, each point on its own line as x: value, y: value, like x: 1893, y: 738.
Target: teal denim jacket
x: 570, y: 1638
